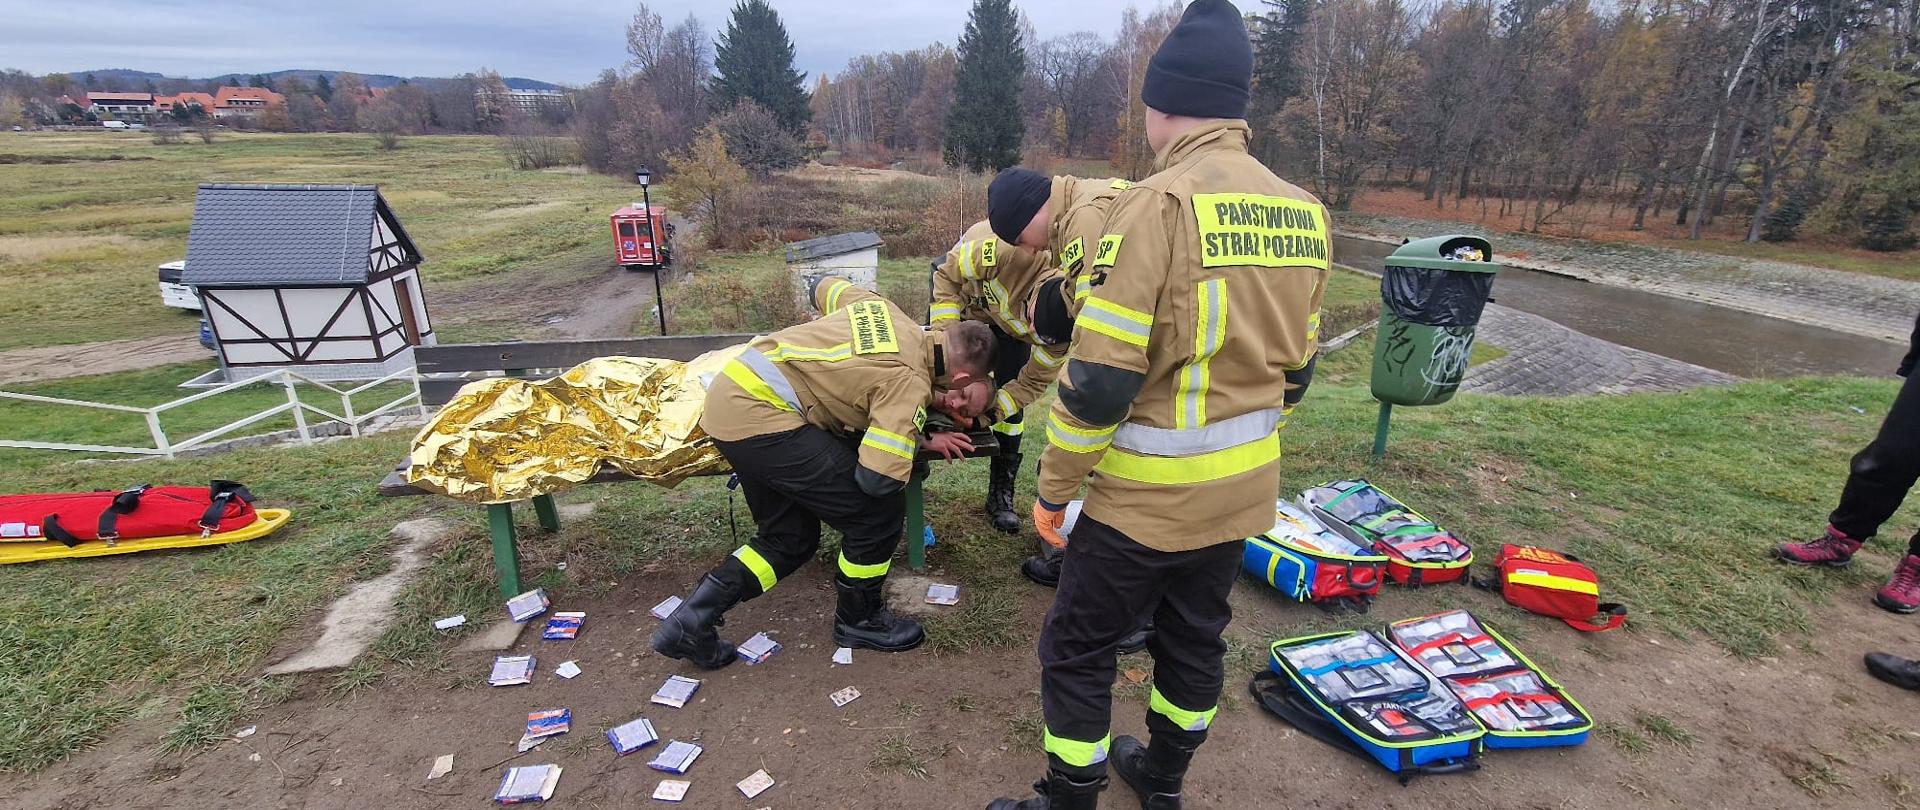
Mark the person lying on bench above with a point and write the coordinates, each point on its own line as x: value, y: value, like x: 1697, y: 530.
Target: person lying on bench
x: 822, y: 423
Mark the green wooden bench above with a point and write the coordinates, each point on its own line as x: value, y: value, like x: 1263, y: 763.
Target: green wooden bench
x: 444, y: 369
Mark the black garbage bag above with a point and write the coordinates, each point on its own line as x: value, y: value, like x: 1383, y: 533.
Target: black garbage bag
x: 1433, y: 297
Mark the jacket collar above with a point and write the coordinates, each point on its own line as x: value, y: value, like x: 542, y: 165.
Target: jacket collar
x: 936, y: 355
x: 1057, y: 204
x: 1226, y: 133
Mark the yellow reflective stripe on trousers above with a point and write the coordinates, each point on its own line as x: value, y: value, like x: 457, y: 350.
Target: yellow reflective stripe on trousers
x: 744, y: 376
x: 1125, y: 324
x: 1076, y: 753
x: 944, y: 312
x: 853, y: 570
x: 759, y: 566
x: 1077, y: 440
x: 1009, y: 428
x: 1210, y: 333
x: 1191, y: 721
x: 1545, y: 580
x: 1198, y: 469
x: 889, y: 442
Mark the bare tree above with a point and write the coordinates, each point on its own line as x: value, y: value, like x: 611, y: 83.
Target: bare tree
x: 1073, y: 70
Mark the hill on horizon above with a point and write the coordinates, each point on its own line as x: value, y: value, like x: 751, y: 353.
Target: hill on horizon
x: 305, y: 75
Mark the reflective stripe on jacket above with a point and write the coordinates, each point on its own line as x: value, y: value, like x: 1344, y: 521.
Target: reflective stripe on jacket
x: 1201, y: 294
x: 864, y: 368
x: 985, y: 279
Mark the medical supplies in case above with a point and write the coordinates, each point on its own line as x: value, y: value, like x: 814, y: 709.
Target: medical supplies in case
x: 1419, y: 552
x: 1355, y: 691
x: 1304, y: 559
x: 1519, y: 705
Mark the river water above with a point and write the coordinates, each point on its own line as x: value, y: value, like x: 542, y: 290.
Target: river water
x: 1702, y: 334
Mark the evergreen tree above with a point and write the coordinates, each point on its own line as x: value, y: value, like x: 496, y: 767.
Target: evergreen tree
x: 985, y: 125
x: 1276, y: 38
x: 323, y: 87
x: 755, y: 61
x: 261, y: 82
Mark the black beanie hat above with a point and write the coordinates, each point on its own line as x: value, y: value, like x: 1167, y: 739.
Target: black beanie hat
x: 1014, y: 196
x: 1204, y: 68
x: 1052, y: 321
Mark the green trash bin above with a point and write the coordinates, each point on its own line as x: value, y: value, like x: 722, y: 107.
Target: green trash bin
x: 1431, y: 297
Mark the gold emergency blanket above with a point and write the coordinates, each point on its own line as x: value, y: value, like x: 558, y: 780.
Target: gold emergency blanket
x: 503, y: 440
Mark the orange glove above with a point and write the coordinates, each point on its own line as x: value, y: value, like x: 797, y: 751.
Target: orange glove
x: 1047, y: 522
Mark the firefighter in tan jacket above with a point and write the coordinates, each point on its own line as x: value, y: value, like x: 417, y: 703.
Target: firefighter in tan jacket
x: 1071, y: 213
x: 822, y: 423
x: 986, y: 280
x: 1200, y: 317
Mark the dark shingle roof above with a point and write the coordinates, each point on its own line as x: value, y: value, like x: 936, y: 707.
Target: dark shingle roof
x: 282, y: 234
x: 834, y: 245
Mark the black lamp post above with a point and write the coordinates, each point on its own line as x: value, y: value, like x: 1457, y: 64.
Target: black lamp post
x: 644, y: 176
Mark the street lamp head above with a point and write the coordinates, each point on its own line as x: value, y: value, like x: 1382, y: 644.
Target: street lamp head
x: 643, y: 175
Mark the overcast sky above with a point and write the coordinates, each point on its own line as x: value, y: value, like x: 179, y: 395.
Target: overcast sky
x: 565, y: 41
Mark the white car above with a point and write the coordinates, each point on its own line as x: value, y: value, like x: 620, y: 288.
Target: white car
x: 172, y: 292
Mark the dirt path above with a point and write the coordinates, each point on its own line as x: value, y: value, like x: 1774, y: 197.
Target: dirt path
x: 55, y: 362
x: 1805, y: 729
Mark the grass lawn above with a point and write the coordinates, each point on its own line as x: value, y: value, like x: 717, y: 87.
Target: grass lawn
x: 43, y: 422
x: 1675, y: 498
x: 88, y: 215
x: 1903, y: 265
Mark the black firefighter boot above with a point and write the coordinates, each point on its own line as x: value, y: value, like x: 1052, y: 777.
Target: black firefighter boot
x: 688, y: 633
x: 1044, y: 568
x: 1057, y: 792
x: 1154, y: 771
x: 1000, y: 478
x: 862, y: 620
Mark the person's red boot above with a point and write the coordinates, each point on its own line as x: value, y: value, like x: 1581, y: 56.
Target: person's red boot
x: 1833, y: 548
x: 1902, y: 594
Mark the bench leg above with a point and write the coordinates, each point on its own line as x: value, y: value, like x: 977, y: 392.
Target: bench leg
x: 549, y: 514
x: 916, y: 526
x: 506, y: 555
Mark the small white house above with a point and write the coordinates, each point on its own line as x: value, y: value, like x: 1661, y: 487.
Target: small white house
x: 318, y: 279
x: 853, y: 256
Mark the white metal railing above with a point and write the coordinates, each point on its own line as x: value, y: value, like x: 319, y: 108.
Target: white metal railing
x: 163, y: 446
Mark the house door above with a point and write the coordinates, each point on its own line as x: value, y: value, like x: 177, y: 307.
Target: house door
x: 403, y: 294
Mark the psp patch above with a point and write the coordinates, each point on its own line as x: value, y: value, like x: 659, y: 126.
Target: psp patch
x: 1072, y: 255
x: 1109, y: 250
x: 989, y: 252
x: 873, y: 331
x: 1257, y: 230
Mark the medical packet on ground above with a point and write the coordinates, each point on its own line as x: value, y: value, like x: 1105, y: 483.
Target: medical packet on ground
x: 676, y: 691
x: 563, y: 626
x: 511, y: 670
x: 528, y: 783
x: 548, y: 722
x: 757, y: 649
x: 632, y: 736
x: 676, y: 758
x: 528, y: 605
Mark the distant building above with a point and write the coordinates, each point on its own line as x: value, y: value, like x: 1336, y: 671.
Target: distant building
x: 165, y: 105
x: 137, y: 107
x: 244, y: 102
x: 532, y: 102
x: 852, y: 256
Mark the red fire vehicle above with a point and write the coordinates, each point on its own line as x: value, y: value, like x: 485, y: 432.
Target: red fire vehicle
x: 642, y: 238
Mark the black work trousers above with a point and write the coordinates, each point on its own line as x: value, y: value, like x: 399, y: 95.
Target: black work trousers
x: 1009, y: 357
x: 1110, y: 585
x: 1882, y: 473
x: 793, y: 482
